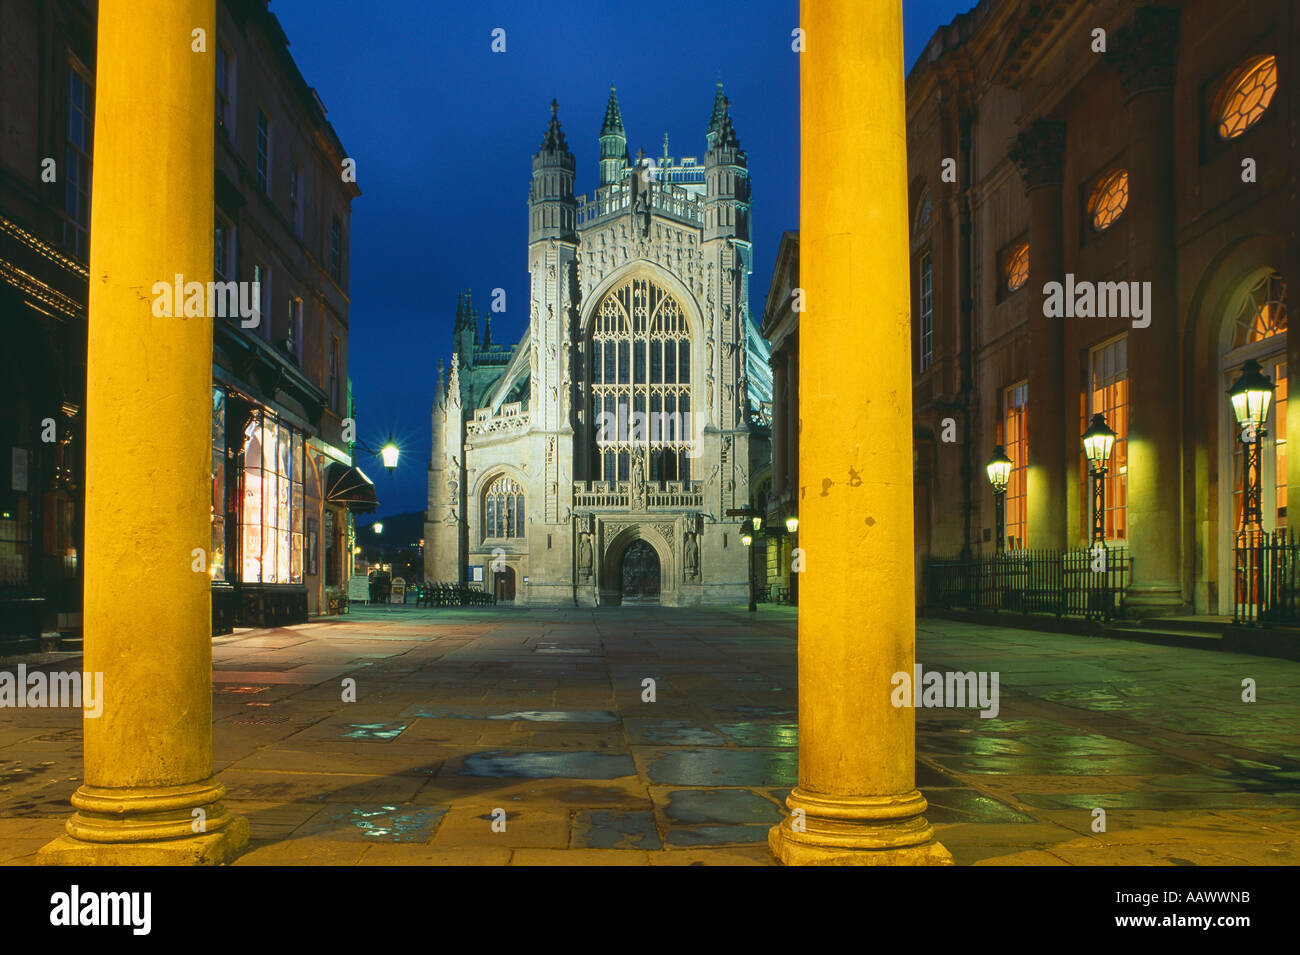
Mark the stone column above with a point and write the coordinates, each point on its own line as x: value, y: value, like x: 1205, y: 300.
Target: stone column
x: 1039, y: 151
x: 856, y: 802
x: 1145, y: 55
x: 780, y: 442
x: 149, y: 795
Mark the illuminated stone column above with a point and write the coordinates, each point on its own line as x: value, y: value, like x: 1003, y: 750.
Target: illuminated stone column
x: 856, y: 802
x: 1039, y: 151
x: 149, y: 795
x: 1145, y: 55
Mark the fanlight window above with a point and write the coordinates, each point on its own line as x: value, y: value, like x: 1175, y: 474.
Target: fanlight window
x: 503, y: 509
x: 923, y: 212
x: 1263, y: 313
x: 1016, y: 270
x: 1246, y: 97
x: 641, y: 384
x: 1109, y: 199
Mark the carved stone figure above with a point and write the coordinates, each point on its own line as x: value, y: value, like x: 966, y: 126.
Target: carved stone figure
x: 584, y: 556
x: 692, y: 556
x: 638, y: 482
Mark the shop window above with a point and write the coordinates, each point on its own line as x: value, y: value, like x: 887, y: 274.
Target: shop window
x: 217, y: 555
x: 271, y: 512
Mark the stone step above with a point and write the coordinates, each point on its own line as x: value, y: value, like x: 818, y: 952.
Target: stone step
x: 1198, y: 639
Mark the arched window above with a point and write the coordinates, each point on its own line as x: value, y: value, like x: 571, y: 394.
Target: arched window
x: 1246, y: 96
x: 641, y: 384
x: 1109, y: 199
x: 1263, y: 312
x: 923, y: 212
x: 503, y: 509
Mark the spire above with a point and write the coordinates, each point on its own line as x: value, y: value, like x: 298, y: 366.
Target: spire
x: 554, y: 139
x: 442, y: 386
x: 471, y: 316
x: 715, y: 118
x: 460, y: 309
x: 726, y: 133
x: 487, y: 330
x: 613, y: 125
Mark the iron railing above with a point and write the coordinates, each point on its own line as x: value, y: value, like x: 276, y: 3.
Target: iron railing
x: 1086, y: 582
x: 1266, y: 578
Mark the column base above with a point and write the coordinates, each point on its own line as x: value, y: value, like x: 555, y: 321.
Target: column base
x: 157, y: 825
x: 213, y: 848
x: 856, y: 830
x: 1155, y: 600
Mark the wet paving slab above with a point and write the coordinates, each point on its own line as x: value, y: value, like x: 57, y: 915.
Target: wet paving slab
x: 720, y: 806
x: 716, y: 836
x: 569, y: 765
x: 367, y: 823
x: 610, y: 829
x: 711, y: 767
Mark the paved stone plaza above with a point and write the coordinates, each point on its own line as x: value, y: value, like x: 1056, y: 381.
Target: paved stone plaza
x: 459, y: 713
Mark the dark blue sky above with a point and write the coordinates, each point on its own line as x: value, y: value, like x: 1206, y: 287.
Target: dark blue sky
x: 443, y: 130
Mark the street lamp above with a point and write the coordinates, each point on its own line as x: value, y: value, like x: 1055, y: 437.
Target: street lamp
x: 378, y: 526
x: 1251, y: 394
x: 1098, y: 441
x: 389, y: 453
x: 999, y: 471
x: 756, y: 521
x: 792, y: 523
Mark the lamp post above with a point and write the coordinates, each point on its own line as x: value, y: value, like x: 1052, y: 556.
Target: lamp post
x: 792, y: 526
x: 999, y: 471
x: 1098, y: 441
x: 747, y: 538
x: 1251, y: 395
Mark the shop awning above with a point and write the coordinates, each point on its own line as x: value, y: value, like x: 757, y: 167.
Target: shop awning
x: 348, y: 486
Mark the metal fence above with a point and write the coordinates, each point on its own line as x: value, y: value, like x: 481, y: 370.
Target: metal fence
x: 1266, y: 578
x: 1086, y: 583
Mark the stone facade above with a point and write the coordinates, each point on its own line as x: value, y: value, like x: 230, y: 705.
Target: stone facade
x: 634, y: 407
x: 1018, y: 116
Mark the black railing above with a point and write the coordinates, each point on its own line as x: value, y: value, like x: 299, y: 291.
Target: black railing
x: 1266, y: 578
x: 1067, y: 583
x: 453, y: 595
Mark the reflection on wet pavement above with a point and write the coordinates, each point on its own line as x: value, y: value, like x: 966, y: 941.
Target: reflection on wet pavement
x: 541, y: 765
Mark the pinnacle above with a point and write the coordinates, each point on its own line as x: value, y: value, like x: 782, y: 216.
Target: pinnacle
x: 613, y: 125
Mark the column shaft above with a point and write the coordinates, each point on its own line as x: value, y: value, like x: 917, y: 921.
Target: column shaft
x: 856, y: 802
x: 149, y: 795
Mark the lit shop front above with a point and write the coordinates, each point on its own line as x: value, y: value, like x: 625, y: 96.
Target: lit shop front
x: 258, y: 517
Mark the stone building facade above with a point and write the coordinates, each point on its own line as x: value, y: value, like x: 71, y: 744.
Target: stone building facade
x: 594, y: 461
x: 1123, y: 151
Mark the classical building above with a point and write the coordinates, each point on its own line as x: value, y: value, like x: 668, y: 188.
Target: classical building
x: 1104, y: 221
x: 594, y: 461
x: 780, y: 328
x: 283, y: 480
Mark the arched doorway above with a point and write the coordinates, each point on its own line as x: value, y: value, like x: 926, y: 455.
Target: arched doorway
x: 639, y: 574
x: 503, y: 585
x: 1255, y: 328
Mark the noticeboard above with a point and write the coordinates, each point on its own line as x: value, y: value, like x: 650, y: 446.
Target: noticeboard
x: 359, y: 588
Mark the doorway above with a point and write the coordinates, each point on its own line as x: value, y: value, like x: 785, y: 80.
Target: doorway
x: 639, y: 574
x: 503, y: 585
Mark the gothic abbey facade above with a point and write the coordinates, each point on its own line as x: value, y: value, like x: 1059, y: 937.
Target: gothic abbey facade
x: 594, y: 462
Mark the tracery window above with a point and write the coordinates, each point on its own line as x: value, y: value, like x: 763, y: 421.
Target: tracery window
x: 1247, y: 96
x: 1109, y: 199
x: 503, y: 509
x: 641, y: 384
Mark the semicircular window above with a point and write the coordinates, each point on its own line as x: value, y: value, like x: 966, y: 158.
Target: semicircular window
x: 1247, y: 96
x: 1016, y: 269
x: 1263, y: 312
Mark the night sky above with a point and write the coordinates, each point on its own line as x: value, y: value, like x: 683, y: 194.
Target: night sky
x: 443, y: 131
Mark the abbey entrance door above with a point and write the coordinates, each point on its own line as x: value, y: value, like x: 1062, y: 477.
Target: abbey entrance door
x: 640, y: 574
x: 503, y: 585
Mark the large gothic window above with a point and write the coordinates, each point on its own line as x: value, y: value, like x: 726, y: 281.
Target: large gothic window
x: 503, y: 509
x: 641, y: 384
